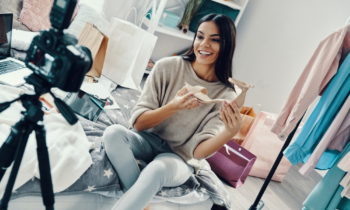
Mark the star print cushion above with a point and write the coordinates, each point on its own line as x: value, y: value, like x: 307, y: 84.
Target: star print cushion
x: 101, y: 175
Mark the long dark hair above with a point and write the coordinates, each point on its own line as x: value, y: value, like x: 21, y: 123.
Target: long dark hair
x: 223, y: 64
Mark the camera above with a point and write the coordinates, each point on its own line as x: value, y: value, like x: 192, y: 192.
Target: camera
x: 55, y: 56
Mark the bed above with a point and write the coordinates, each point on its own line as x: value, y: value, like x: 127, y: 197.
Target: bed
x: 94, y: 191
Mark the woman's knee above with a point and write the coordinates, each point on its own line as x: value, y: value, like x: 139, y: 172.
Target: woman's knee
x: 114, y: 133
x: 157, y: 171
x: 167, y: 167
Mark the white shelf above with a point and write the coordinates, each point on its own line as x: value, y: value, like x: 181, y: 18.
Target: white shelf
x: 229, y: 3
x: 175, y: 32
x: 172, y: 31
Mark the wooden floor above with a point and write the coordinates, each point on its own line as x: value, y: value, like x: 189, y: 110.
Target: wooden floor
x: 288, y: 195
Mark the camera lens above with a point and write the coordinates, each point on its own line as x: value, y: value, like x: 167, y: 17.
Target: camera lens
x: 87, y: 58
x: 47, y: 40
x: 57, y: 64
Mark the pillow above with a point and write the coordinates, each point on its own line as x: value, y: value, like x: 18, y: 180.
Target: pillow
x: 14, y: 7
x: 36, y: 14
x: 21, y: 40
x: 87, y: 14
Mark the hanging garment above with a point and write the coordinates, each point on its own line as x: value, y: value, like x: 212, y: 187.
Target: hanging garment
x: 344, y: 164
x: 321, y: 68
x: 327, y: 193
x: 320, y: 119
x: 345, y: 183
x: 337, y: 135
x: 340, y: 140
x: 344, y: 204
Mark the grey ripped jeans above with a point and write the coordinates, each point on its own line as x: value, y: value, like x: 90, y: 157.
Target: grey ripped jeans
x: 164, y: 168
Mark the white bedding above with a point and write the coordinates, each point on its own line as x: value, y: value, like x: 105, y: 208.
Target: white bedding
x: 92, y: 201
x: 190, y: 198
x: 68, y: 147
x: 21, y: 40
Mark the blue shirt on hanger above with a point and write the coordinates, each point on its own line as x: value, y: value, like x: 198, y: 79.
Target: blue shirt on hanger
x: 320, y: 119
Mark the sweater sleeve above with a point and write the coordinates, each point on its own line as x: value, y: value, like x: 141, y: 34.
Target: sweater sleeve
x: 150, y: 98
x: 212, y: 128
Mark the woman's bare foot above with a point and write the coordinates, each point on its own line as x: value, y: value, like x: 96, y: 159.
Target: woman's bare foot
x: 147, y: 207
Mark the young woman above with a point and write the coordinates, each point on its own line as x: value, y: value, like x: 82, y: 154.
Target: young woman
x: 172, y: 131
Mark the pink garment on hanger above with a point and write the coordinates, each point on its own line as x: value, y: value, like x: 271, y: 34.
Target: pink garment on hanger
x: 319, y: 71
x: 336, y: 137
x: 341, y: 139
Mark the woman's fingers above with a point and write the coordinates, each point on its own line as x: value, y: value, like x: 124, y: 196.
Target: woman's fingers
x: 223, y: 117
x: 191, y: 103
x: 228, y: 115
x: 237, y: 112
x: 233, y: 114
x: 182, y: 91
x: 192, y: 106
x: 187, y: 96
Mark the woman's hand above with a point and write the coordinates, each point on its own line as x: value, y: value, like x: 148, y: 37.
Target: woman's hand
x: 230, y: 115
x: 183, y: 101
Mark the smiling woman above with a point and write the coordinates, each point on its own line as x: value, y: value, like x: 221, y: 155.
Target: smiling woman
x: 213, y: 47
x: 172, y: 131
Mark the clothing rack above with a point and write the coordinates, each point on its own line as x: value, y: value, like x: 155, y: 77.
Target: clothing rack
x: 258, y: 203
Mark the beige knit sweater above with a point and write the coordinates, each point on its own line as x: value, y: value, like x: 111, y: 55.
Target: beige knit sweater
x: 187, y: 128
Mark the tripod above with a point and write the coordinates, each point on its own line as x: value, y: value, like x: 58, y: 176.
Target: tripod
x: 14, y: 146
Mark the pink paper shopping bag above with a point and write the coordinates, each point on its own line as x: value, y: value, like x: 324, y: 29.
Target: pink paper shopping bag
x: 266, y: 146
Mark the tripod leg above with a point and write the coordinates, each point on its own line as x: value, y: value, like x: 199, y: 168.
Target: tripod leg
x: 258, y: 203
x: 27, y: 130
x: 44, y: 167
x: 8, y: 149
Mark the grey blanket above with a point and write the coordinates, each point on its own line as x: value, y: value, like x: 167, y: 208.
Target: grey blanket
x: 101, y: 176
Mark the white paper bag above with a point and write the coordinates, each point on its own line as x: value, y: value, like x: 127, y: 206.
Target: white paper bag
x: 128, y: 52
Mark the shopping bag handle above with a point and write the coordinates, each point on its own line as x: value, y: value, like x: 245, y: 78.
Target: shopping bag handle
x: 234, y: 151
x: 129, y: 13
x: 149, y: 20
x: 133, y: 28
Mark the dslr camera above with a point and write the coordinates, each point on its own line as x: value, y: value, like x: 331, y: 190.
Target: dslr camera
x: 55, y: 56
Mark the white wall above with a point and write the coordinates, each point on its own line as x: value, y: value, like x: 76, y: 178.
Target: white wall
x: 275, y: 40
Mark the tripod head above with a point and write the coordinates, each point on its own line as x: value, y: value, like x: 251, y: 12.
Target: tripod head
x: 32, y: 104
